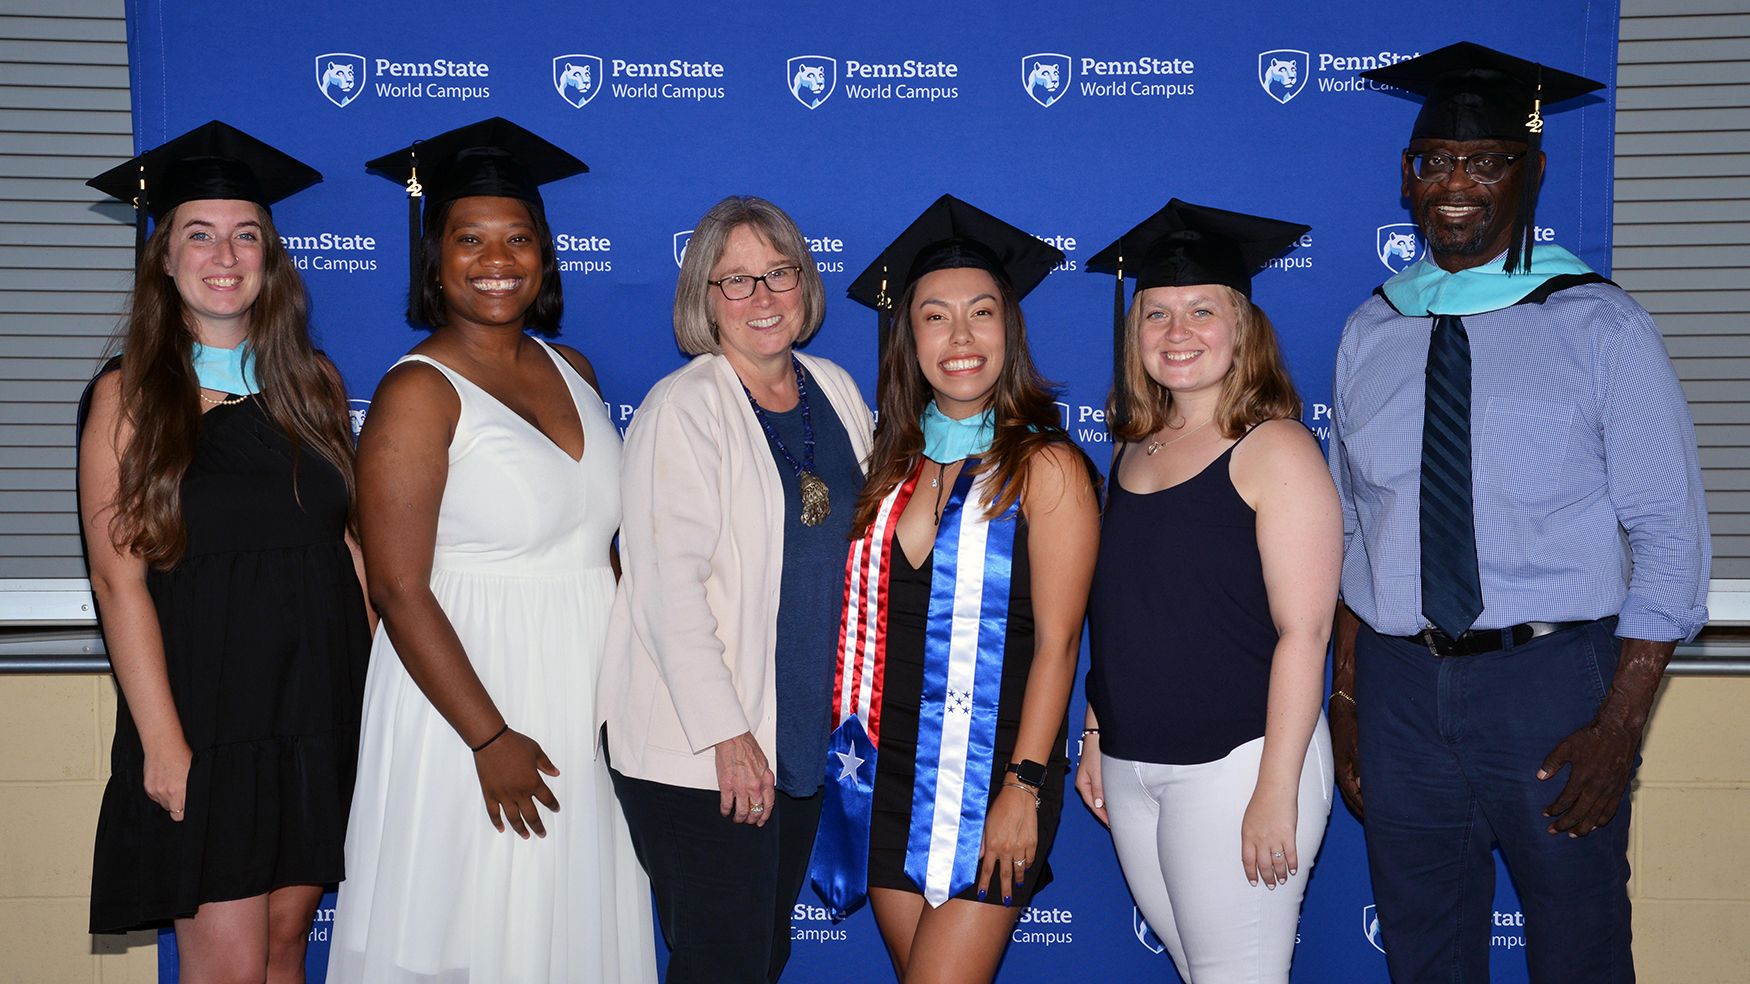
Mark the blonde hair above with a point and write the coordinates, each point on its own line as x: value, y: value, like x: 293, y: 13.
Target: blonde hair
x: 1256, y: 388
x: 693, y: 329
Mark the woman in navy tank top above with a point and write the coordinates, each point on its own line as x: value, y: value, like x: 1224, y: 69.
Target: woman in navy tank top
x: 1206, y: 751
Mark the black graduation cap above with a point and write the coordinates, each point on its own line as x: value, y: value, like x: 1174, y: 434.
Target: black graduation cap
x: 211, y: 161
x: 951, y: 234
x: 492, y: 158
x: 1180, y: 246
x: 1475, y: 93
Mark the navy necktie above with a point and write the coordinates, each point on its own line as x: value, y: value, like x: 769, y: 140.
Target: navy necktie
x: 1452, y: 592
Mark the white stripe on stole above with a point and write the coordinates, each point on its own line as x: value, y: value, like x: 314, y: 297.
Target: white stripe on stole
x: 880, y: 546
x: 853, y: 614
x: 962, y: 668
x: 863, y: 614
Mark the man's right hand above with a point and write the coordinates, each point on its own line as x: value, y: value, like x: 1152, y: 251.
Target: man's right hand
x: 1346, y: 750
x: 1345, y: 732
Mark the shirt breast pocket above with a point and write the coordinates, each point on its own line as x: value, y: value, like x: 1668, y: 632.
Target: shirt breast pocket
x: 1524, y: 447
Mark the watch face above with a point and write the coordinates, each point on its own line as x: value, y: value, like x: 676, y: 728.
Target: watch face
x: 1031, y: 773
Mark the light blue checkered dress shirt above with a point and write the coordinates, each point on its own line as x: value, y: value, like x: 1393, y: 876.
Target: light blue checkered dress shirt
x: 1587, y: 483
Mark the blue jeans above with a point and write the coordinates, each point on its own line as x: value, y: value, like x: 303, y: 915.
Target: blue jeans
x: 1450, y: 749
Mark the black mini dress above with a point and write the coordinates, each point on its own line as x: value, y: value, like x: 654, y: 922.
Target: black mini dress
x: 902, y: 685
x: 266, y: 641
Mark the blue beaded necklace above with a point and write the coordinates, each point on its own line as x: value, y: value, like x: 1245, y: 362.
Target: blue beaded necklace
x: 816, y: 503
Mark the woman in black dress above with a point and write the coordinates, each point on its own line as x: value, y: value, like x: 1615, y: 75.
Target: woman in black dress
x: 976, y: 531
x: 215, y: 494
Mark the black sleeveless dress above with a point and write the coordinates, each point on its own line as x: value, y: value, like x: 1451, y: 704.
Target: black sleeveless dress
x: 902, y: 685
x: 265, y: 640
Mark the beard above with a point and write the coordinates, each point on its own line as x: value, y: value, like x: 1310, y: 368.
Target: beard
x: 1461, y: 242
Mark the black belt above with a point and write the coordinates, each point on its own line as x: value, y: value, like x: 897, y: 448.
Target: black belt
x: 1486, y: 640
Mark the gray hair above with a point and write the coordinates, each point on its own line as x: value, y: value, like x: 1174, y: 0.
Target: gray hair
x: 693, y: 330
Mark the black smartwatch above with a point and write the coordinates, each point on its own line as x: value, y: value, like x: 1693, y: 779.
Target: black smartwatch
x: 1031, y: 773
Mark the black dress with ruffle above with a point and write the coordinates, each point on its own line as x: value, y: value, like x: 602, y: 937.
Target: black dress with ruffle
x: 266, y: 641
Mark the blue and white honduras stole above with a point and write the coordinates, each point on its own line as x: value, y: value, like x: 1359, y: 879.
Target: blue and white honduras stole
x: 963, y: 668
x: 973, y: 560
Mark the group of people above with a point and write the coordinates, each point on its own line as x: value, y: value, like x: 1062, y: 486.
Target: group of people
x: 506, y: 679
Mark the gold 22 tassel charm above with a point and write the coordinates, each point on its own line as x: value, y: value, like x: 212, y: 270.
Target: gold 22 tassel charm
x: 816, y: 504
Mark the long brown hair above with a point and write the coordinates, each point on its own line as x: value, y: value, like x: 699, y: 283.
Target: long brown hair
x: 160, y: 396
x: 1026, y: 415
x: 1257, y: 387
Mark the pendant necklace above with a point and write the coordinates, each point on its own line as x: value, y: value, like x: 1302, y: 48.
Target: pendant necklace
x: 1154, y: 446
x: 816, y: 503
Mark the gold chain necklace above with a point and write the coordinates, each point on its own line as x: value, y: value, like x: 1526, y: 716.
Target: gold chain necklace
x: 229, y: 401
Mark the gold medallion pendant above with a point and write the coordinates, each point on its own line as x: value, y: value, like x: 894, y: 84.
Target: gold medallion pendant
x: 816, y: 503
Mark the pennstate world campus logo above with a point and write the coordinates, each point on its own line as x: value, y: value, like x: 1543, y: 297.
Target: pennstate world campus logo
x: 812, y: 78
x: 1284, y: 72
x: 577, y: 77
x: 681, y: 239
x: 340, y: 76
x: 1370, y: 927
x: 1046, y: 76
x: 1399, y: 245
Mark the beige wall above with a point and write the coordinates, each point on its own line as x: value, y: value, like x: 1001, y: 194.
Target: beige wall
x: 1691, y: 884
x: 54, y: 760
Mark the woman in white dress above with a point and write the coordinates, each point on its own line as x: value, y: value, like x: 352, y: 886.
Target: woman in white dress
x: 489, y: 499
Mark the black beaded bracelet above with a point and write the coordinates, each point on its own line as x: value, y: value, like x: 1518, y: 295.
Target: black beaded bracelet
x: 482, y: 745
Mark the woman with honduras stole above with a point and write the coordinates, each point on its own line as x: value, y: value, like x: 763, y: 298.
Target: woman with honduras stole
x: 1205, y: 750
x: 216, y: 499
x: 975, y: 539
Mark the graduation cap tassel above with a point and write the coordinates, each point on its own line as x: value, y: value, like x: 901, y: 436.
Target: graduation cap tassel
x: 415, y: 310
x: 1525, y: 222
x: 883, y: 322
x: 140, y: 219
x: 1120, y: 389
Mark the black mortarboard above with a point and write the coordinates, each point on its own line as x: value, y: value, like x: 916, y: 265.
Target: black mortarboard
x: 492, y: 158
x: 1180, y: 246
x: 214, y: 160
x: 951, y: 234
x: 1475, y: 93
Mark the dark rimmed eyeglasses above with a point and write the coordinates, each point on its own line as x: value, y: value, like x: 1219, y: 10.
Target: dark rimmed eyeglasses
x: 741, y: 286
x: 1482, y: 168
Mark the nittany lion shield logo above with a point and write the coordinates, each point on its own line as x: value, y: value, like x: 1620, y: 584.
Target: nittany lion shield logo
x: 577, y: 77
x: 680, y: 245
x: 1370, y: 927
x: 1399, y: 244
x: 811, y: 78
x: 1283, y: 72
x: 340, y: 76
x: 1046, y: 76
x: 1144, y: 934
x: 355, y: 414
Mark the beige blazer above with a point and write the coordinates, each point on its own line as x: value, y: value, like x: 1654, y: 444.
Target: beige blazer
x: 693, y: 631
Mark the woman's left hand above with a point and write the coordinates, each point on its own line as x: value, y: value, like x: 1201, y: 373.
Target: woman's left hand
x: 1011, y: 835
x: 1267, y: 837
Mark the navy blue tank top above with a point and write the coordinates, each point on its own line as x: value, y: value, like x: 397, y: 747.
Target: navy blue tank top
x: 1178, y: 622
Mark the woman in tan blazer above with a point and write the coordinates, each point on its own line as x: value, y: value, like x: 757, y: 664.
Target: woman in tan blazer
x: 741, y: 472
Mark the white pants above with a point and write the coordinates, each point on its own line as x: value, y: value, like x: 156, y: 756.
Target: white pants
x: 1177, y: 831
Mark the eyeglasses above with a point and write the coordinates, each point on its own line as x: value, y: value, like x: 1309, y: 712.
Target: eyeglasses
x: 740, y: 287
x: 1484, y: 169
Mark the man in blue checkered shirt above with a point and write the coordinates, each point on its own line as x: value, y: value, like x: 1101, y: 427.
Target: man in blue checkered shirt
x: 1526, y: 542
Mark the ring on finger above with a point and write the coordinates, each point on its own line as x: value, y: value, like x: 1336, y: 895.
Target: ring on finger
x: 757, y: 808
x: 1276, y: 854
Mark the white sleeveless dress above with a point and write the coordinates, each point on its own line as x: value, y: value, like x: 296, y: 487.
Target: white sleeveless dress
x: 433, y: 894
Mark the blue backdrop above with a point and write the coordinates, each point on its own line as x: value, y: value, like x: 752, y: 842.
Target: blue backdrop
x: 1071, y: 122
